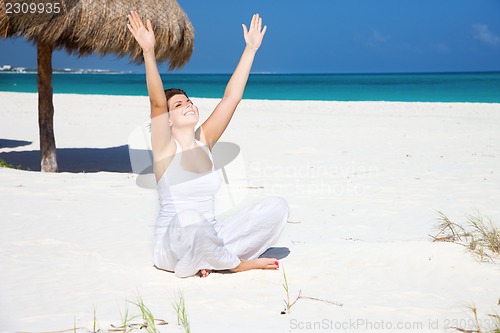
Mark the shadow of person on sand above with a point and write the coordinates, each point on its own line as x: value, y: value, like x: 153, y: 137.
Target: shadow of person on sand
x: 112, y: 159
x: 276, y: 252
x: 7, y: 143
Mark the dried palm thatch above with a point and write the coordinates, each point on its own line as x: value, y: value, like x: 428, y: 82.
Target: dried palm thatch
x: 84, y: 27
x: 4, y: 20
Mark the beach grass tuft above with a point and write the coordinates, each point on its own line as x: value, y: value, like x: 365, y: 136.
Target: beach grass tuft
x: 125, y: 320
x: 481, y: 326
x: 288, y: 305
x: 127, y: 325
x: 486, y: 233
x: 476, y: 320
x: 480, y: 235
x: 179, y: 305
x: 5, y: 164
x: 147, y: 316
x: 496, y: 323
x: 95, y: 324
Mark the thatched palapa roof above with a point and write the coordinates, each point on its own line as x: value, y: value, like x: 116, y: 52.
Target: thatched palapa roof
x: 84, y: 27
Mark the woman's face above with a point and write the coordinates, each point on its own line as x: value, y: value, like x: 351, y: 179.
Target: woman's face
x: 182, y: 111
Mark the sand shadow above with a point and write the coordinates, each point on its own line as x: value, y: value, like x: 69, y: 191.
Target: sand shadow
x: 112, y: 159
x: 276, y: 252
x: 7, y: 143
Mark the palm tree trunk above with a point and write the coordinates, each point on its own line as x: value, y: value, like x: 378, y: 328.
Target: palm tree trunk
x: 46, y: 108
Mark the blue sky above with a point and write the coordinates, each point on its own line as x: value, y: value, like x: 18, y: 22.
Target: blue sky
x: 324, y: 36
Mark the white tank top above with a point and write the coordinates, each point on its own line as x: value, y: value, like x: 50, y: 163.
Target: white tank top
x: 179, y: 189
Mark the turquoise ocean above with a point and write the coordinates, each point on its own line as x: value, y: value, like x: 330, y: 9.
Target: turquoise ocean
x: 425, y: 87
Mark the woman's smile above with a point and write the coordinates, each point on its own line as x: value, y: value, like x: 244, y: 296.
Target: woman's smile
x: 189, y: 111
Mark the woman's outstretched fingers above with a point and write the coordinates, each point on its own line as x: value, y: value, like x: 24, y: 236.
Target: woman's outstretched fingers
x: 143, y: 35
x: 132, y: 23
x: 131, y: 20
x: 136, y: 18
x: 254, y: 33
x: 150, y: 26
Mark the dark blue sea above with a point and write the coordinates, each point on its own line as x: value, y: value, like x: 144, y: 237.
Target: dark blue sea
x: 431, y: 87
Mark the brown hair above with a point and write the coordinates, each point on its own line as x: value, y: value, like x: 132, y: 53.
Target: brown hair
x: 169, y: 93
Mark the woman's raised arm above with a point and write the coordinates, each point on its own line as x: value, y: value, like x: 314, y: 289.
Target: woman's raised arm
x: 214, y: 126
x: 160, y: 129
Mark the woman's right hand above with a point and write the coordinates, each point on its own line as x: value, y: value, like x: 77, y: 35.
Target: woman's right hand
x: 144, y: 36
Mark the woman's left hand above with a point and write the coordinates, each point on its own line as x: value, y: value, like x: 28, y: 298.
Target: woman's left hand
x: 254, y: 35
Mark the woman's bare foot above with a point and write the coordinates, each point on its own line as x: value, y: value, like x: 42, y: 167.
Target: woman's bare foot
x: 204, y: 272
x: 260, y: 263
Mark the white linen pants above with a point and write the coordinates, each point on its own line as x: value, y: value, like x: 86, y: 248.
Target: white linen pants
x: 191, y: 242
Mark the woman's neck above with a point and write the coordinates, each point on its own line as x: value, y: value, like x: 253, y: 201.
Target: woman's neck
x: 185, y: 138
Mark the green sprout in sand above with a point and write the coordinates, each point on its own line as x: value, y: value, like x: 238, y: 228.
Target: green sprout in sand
x: 180, y: 308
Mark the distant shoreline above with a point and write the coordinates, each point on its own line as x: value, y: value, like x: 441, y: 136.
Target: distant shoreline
x: 65, y: 72
x: 96, y: 71
x: 25, y: 70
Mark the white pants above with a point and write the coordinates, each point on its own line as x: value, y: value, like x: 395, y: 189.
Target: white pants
x: 191, y: 243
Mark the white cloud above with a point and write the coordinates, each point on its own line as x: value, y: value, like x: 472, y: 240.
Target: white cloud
x: 376, y: 39
x: 442, y: 48
x: 482, y: 33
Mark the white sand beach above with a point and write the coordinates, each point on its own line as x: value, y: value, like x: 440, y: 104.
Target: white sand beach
x: 364, y: 181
